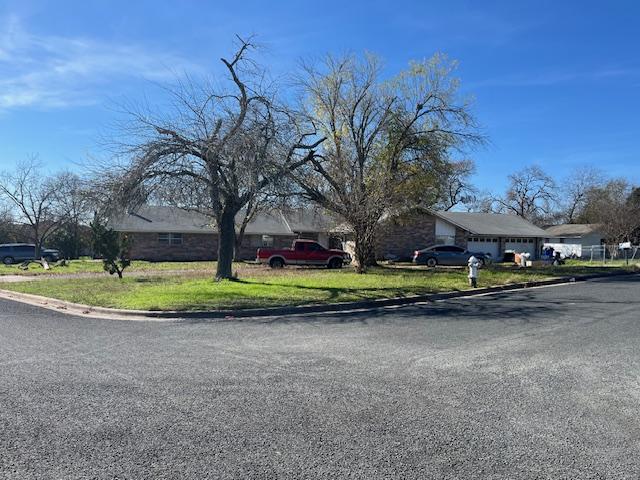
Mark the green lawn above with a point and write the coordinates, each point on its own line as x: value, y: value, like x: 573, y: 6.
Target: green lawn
x: 245, y: 269
x: 286, y: 287
x: 95, y: 266
x: 618, y: 262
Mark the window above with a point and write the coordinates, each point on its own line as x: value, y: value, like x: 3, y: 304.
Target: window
x: 315, y: 247
x: 267, y: 241
x: 25, y: 250
x: 300, y: 246
x: 444, y: 239
x: 449, y: 248
x: 170, y: 238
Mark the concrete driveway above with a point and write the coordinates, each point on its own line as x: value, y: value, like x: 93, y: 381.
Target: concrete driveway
x: 542, y: 383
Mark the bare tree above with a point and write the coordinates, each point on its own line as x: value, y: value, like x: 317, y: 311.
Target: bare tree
x: 381, y: 137
x: 34, y: 197
x: 456, y: 185
x: 483, y: 202
x: 575, y: 191
x: 7, y: 225
x: 223, y: 147
x: 531, y: 194
x: 75, y: 207
x: 616, y: 208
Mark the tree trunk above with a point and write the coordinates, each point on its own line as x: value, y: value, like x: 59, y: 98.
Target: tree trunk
x: 38, y: 249
x: 238, y: 242
x: 76, y: 240
x: 226, y: 244
x: 364, y: 247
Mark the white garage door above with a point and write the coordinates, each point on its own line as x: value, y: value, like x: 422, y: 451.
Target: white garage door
x: 484, y: 245
x: 520, y: 245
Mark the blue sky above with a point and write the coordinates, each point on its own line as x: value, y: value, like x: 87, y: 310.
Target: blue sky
x: 555, y: 83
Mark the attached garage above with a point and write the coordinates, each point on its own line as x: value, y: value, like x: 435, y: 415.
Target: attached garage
x: 520, y: 245
x: 489, y: 245
x: 496, y: 233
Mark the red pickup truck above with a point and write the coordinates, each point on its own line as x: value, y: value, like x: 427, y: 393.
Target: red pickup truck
x: 303, y: 252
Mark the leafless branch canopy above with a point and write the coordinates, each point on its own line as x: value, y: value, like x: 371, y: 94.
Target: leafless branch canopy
x: 531, y: 194
x: 221, y: 149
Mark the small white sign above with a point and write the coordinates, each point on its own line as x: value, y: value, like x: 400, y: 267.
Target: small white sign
x: 625, y: 245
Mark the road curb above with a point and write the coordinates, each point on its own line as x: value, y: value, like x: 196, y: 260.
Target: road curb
x: 172, y: 315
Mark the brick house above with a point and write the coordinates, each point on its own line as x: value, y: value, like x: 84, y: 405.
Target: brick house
x: 161, y: 233
x: 400, y: 235
x: 168, y: 233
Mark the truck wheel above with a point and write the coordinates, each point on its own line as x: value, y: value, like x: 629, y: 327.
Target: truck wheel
x: 7, y: 260
x: 276, y: 263
x: 431, y: 262
x: 335, y: 263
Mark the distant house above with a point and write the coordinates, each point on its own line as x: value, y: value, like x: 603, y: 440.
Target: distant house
x: 584, y: 234
x: 492, y: 233
x: 167, y: 233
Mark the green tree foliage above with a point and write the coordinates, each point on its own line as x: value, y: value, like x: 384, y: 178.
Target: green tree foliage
x: 615, y: 206
x: 112, y: 246
x: 389, y: 143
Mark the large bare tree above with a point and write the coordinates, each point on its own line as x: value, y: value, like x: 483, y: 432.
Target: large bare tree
x: 7, y: 225
x: 456, y: 186
x: 531, y: 194
x: 383, y: 137
x: 219, y: 150
x: 575, y: 191
x: 615, y: 206
x: 75, y: 207
x: 33, y: 197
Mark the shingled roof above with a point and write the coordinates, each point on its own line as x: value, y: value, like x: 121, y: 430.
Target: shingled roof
x: 149, y: 218
x: 494, y: 224
x: 572, y: 229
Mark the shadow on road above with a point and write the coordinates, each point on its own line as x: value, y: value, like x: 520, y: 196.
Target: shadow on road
x: 525, y: 306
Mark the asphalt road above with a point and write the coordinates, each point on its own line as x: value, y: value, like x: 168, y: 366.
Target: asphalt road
x: 543, y: 383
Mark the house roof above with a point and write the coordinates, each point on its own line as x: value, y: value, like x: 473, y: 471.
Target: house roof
x: 149, y: 218
x: 307, y: 220
x: 572, y: 229
x: 495, y: 224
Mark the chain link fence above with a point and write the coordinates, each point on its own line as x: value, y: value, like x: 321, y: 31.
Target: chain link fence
x: 607, y: 253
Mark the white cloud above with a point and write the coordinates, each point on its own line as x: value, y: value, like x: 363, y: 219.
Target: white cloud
x: 47, y: 71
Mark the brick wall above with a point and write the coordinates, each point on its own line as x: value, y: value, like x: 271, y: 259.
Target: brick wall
x: 400, y: 236
x: 461, y: 239
x: 196, y: 246
x: 251, y: 243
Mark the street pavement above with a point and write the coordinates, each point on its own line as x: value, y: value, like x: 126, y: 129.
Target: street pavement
x: 540, y: 383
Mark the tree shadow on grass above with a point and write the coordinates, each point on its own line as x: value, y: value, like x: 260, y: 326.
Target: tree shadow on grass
x: 521, y: 308
x: 515, y: 307
x: 357, y: 293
